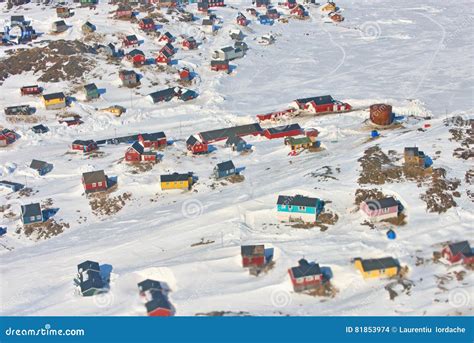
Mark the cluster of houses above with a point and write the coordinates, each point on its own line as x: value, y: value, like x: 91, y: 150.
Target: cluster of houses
x: 27, y: 32
x: 7, y: 137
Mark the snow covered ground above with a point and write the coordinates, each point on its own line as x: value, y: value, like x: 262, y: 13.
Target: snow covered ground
x: 417, y: 57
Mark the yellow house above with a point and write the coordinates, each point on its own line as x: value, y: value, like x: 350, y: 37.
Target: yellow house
x: 54, y: 101
x: 378, y: 267
x: 176, y: 181
x: 329, y: 7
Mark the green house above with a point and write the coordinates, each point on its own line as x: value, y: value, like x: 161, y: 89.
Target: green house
x: 92, y: 92
x: 88, y: 2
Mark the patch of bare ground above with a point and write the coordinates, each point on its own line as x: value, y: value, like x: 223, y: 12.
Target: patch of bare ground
x: 223, y: 314
x: 236, y: 178
x: 462, y: 132
x: 59, y: 60
x: 23, y: 193
x: 202, y: 242
x: 365, y: 194
x: 439, y: 197
x: 42, y: 231
x: 325, y: 219
x: 95, y: 154
x: 138, y: 168
x: 399, y: 286
x: 324, y: 173
x: 103, y: 204
x: 31, y: 119
x: 326, y: 289
x: 378, y: 168
x: 7, y: 211
x: 255, y: 271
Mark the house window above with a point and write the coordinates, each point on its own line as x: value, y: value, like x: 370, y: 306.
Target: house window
x: 99, y: 184
x: 290, y: 207
x: 309, y: 278
x: 302, y: 208
x: 94, y: 185
x: 299, y: 280
x: 38, y: 217
x: 382, y: 271
x: 32, y: 218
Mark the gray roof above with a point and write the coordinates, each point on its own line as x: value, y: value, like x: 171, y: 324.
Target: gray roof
x: 165, y: 93
x: 460, y: 247
x: 153, y: 136
x: 37, y: 164
x: 379, y: 263
x: 138, y: 147
x: 227, y: 165
x: 84, y: 142
x: 94, y: 176
x: 383, y: 203
x: 241, y: 130
x: 31, y: 210
x: 319, y: 100
x: 297, y: 200
x: 234, y: 140
x: 40, y: 128
x: 305, y: 269
x: 191, y: 140
x: 284, y: 128
x: 149, y: 284
x: 131, y: 38
x: 175, y: 177
x: 59, y: 95
x: 88, y: 265
x: 90, y: 87
x: 252, y: 250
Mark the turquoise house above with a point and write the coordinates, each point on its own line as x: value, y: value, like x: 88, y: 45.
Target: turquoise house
x: 299, y: 207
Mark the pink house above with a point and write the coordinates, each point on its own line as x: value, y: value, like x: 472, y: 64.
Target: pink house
x: 380, y: 209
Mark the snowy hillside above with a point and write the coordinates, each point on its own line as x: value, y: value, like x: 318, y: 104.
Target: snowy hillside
x: 414, y: 56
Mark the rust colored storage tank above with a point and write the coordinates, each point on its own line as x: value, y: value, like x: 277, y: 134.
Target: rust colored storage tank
x: 381, y: 114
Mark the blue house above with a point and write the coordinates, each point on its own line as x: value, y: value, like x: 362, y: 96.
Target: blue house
x: 31, y: 214
x: 13, y: 186
x: 265, y: 20
x: 299, y: 207
x: 224, y: 169
x: 3, y: 231
x: 236, y: 143
x: 89, y: 280
x: 40, y: 129
x: 41, y: 167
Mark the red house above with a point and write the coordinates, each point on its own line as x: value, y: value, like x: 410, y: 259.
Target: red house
x: 283, y: 131
x: 159, y: 306
x: 252, y: 255
x: 84, y: 146
x: 321, y: 104
x: 215, y: 3
x: 460, y: 251
x: 152, y: 140
x: 94, y: 181
x: 164, y: 57
x: 185, y: 74
x: 123, y: 12
x: 305, y: 276
x: 137, y: 153
x: 168, y: 48
x: 7, y: 137
x: 298, y: 11
x: 220, y: 65
x: 166, y: 37
x: 189, y: 43
x: 136, y: 57
x: 241, y: 20
x: 272, y: 13
x: 196, y: 146
x: 290, y: 4
x: 130, y: 40
x: 31, y: 90
x: 147, y: 24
